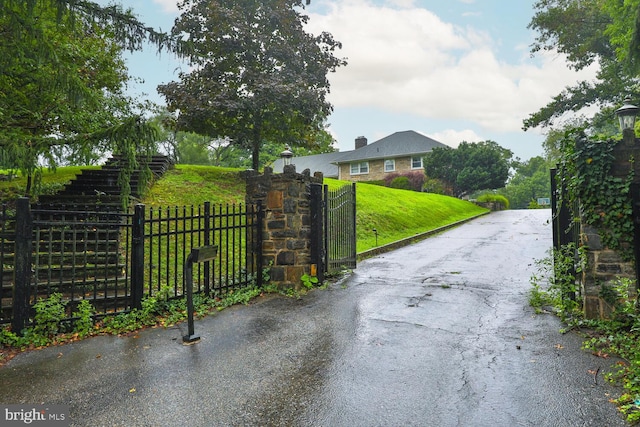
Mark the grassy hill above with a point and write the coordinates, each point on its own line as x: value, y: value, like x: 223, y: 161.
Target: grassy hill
x: 396, y: 214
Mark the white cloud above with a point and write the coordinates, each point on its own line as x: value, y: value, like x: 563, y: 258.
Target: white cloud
x: 408, y: 60
x: 169, y: 6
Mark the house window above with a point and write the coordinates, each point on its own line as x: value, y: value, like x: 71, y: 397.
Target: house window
x: 359, y: 168
x: 389, y: 165
x: 416, y: 162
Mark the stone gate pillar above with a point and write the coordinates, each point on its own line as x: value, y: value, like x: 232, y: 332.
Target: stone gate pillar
x: 605, y: 265
x: 286, y: 243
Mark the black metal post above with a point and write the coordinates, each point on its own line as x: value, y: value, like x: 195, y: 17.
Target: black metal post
x: 137, y: 256
x: 315, y: 206
x: 188, y: 274
x: 354, y: 252
x: 257, y: 252
x: 326, y: 227
x: 554, y: 209
x: 201, y: 254
x: 22, y: 267
x: 207, y: 241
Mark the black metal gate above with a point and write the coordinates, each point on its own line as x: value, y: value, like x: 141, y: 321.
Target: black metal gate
x: 565, y: 229
x: 340, y: 228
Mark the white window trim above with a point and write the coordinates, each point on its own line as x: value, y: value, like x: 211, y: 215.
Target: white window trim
x: 393, y: 169
x: 359, y: 164
x: 421, y: 163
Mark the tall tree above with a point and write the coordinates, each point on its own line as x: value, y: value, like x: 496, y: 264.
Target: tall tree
x: 624, y: 31
x: 470, y: 167
x: 257, y: 75
x: 63, y: 81
x: 530, y: 182
x: 127, y: 30
x: 589, y: 32
x: 62, y: 86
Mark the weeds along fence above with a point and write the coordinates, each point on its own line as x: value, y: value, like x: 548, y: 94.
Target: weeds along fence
x: 115, y: 259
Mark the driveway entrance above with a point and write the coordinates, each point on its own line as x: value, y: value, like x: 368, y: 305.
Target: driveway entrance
x: 439, y: 333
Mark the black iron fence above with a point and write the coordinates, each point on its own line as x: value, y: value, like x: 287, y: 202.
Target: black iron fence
x: 115, y: 259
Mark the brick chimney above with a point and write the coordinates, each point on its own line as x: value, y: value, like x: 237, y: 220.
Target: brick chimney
x: 361, y: 141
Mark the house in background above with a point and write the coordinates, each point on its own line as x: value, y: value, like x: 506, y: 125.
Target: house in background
x: 396, y: 153
x: 315, y: 163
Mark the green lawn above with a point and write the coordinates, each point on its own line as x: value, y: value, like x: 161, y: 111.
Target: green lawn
x: 193, y: 185
x: 52, y: 181
x: 396, y: 214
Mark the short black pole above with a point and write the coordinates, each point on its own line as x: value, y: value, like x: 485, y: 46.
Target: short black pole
x: 188, y: 274
x: 201, y: 254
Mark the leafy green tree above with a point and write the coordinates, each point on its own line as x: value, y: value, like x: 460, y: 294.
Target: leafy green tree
x: 470, y: 167
x: 257, y: 75
x: 442, y: 164
x: 603, y: 32
x: 623, y: 31
x: 193, y: 149
x: 531, y: 180
x: 62, y: 92
x: 164, y: 124
x: 126, y: 30
x: 575, y: 28
x: 317, y: 142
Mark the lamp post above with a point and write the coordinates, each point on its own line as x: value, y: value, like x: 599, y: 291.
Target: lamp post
x: 627, y: 118
x: 286, y: 155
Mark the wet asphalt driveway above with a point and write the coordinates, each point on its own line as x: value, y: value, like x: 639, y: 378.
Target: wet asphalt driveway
x: 435, y: 334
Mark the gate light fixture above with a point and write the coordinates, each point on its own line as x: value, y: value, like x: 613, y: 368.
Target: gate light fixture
x: 627, y: 115
x: 286, y: 155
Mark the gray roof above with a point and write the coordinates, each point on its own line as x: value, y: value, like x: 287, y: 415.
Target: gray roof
x: 399, y: 144
x: 315, y: 163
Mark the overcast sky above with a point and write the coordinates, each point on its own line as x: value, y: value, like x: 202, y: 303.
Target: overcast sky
x: 455, y: 70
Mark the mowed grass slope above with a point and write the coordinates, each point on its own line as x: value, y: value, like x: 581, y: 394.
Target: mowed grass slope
x: 187, y: 185
x: 395, y: 214
x: 398, y: 214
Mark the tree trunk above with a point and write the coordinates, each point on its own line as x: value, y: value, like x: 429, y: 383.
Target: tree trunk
x: 255, y: 152
x: 28, y: 189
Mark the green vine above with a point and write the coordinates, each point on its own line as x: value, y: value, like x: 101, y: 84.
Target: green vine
x: 604, y: 200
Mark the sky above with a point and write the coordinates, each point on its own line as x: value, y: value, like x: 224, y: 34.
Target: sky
x: 454, y: 70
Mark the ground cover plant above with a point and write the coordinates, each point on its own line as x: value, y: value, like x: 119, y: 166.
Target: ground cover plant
x: 554, y: 288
